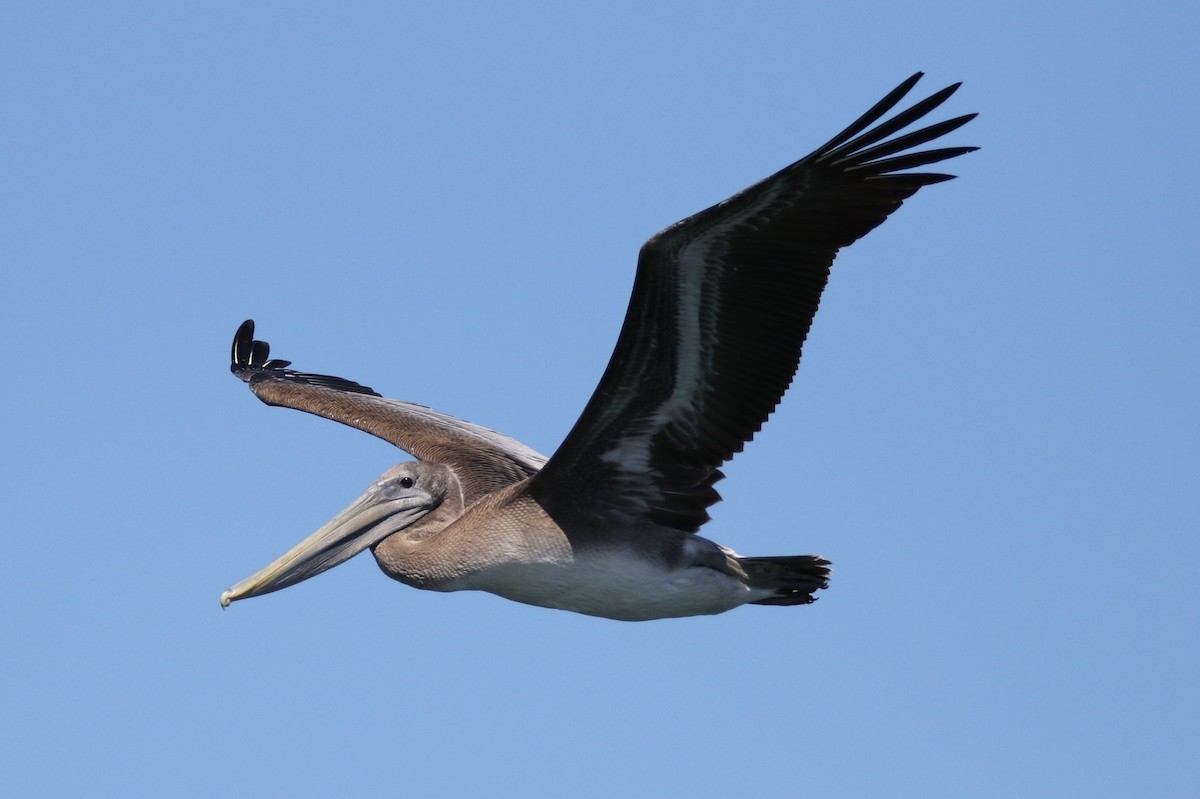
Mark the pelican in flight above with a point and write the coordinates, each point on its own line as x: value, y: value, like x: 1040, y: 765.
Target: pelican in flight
x: 721, y: 305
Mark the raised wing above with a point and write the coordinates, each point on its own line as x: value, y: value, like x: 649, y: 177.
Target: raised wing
x: 721, y: 306
x: 483, y: 459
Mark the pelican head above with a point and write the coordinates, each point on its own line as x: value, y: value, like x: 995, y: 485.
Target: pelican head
x: 415, y: 499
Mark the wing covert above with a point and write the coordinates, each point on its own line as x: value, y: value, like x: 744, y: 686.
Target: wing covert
x: 483, y: 459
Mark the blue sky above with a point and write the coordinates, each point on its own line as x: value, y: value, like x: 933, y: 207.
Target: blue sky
x: 992, y: 434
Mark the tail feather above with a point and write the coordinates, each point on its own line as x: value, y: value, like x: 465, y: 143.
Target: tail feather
x: 792, y: 578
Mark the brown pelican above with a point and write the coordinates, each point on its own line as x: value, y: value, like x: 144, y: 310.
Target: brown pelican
x: 720, y: 309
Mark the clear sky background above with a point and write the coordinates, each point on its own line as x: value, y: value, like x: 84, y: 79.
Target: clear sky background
x: 993, y: 433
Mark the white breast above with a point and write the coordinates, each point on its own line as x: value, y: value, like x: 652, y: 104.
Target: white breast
x: 615, y: 585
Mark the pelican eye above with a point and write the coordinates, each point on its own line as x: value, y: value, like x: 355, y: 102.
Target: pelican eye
x: 407, y: 482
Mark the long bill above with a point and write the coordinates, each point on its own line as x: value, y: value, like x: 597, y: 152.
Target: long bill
x: 367, y: 521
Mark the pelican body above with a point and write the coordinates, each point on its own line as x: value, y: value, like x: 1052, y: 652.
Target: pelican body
x: 721, y: 306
